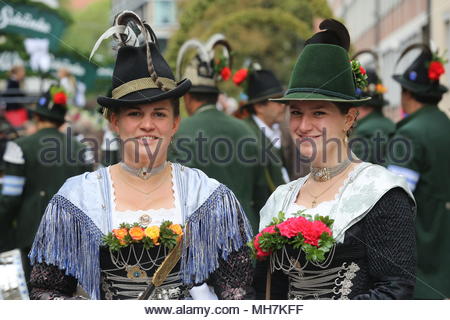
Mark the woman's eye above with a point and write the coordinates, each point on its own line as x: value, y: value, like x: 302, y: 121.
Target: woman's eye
x: 295, y: 113
x: 160, y: 114
x: 319, y: 113
x: 134, y: 113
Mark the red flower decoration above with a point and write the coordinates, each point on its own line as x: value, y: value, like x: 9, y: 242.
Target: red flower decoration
x: 60, y: 98
x: 225, y: 73
x: 362, y: 70
x: 240, y: 76
x: 435, y: 70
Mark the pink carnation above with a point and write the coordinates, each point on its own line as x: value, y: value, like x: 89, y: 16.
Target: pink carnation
x: 313, y: 232
x: 260, y: 253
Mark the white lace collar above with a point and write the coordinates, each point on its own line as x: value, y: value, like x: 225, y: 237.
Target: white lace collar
x: 365, y: 185
x: 157, y: 215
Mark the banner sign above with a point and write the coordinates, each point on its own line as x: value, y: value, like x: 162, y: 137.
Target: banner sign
x: 31, y: 22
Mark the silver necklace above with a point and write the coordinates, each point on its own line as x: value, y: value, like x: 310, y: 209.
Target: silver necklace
x: 143, y: 173
x: 325, y: 174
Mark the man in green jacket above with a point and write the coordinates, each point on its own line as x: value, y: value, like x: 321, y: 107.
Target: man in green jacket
x: 36, y: 166
x: 265, y: 120
x: 218, y: 144
x: 373, y: 130
x: 421, y: 153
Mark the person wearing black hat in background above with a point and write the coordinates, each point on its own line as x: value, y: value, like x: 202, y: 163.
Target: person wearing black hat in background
x: 373, y: 130
x: 267, y: 120
x: 218, y: 144
x: 144, y: 228
x: 36, y: 166
x: 423, y: 159
x: 372, y: 209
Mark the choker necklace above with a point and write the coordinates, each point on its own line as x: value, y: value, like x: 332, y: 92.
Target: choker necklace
x: 325, y: 174
x: 143, y: 173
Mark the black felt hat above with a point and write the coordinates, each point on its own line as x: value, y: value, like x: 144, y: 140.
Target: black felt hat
x: 375, y: 90
x: 132, y: 84
x: 416, y: 77
x: 262, y: 85
x: 141, y: 75
x: 52, y: 104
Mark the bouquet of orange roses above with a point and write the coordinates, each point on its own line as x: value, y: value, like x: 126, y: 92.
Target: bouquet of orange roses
x: 166, y: 235
x: 312, y: 235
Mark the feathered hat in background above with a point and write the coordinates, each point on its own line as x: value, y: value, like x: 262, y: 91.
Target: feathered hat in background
x: 208, y: 66
x: 375, y: 88
x: 422, y: 76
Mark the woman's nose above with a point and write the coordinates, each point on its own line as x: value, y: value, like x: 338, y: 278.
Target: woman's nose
x: 147, y: 123
x: 305, y: 124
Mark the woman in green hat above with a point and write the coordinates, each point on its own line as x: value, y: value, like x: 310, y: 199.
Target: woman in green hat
x: 373, y: 210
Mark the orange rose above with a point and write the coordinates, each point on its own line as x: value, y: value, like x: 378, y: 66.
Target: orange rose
x: 176, y: 228
x: 120, y: 233
x: 137, y: 233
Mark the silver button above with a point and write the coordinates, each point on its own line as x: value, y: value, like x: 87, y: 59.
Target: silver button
x: 103, y: 206
x: 447, y: 205
x: 42, y: 193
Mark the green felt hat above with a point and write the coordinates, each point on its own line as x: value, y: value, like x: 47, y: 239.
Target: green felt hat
x: 323, y: 70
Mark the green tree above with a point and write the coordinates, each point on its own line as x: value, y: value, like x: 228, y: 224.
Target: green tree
x: 270, y: 32
x: 88, y: 25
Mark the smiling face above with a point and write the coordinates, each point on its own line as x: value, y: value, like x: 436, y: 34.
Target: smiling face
x: 319, y: 128
x: 146, y: 132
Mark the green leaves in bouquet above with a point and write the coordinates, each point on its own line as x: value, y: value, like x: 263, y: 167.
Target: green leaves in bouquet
x: 167, y: 237
x: 272, y: 241
x: 112, y: 242
x: 278, y: 219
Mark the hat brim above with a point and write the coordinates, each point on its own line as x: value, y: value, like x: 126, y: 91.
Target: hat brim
x: 419, y: 88
x: 48, y: 115
x: 314, y: 96
x: 276, y: 95
x: 204, y: 89
x: 145, y: 96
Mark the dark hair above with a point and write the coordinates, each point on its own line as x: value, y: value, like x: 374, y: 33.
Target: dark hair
x: 205, y: 97
x: 343, y: 106
x: 251, y: 107
x: 56, y: 123
x: 425, y: 99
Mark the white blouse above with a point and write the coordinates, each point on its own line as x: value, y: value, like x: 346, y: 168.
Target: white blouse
x: 157, y: 216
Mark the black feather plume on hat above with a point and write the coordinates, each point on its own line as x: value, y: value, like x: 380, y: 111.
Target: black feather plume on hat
x: 334, y: 33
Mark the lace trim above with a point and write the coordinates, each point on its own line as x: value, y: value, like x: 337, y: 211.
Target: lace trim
x: 131, y: 214
x: 338, y: 194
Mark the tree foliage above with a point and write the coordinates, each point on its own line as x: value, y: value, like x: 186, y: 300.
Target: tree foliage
x: 89, y: 24
x: 270, y: 32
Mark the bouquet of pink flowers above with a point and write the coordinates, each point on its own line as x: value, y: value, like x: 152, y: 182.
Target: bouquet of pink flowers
x: 312, y: 235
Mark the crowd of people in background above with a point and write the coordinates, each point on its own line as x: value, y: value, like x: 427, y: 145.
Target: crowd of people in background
x: 380, y: 219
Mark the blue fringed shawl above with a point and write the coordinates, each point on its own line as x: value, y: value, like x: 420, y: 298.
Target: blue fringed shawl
x: 79, y: 215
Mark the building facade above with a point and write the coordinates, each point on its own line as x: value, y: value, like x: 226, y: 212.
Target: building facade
x: 388, y: 27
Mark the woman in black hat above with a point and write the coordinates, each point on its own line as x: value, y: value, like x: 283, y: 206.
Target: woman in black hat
x: 374, y: 252
x: 144, y: 228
